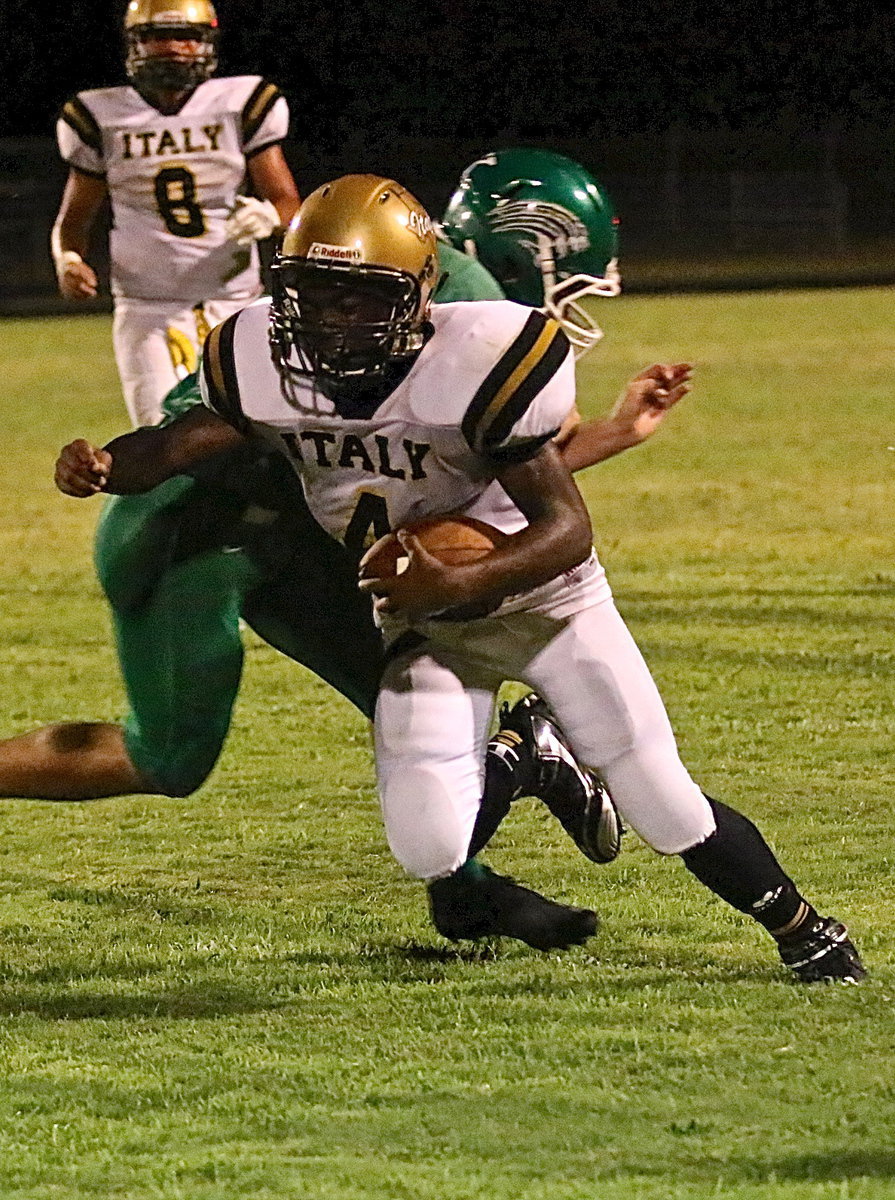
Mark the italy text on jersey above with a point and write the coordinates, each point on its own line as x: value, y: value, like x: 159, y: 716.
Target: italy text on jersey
x: 433, y: 446
x: 173, y: 180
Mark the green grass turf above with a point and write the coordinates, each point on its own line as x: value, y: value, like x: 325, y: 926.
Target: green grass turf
x: 239, y: 995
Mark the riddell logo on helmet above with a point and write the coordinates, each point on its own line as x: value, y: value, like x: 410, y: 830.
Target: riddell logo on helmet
x: 335, y: 253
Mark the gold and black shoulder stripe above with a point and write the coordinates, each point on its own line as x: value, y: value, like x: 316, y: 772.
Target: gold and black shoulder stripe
x: 78, y: 116
x: 514, y: 381
x: 219, y: 372
x: 256, y: 108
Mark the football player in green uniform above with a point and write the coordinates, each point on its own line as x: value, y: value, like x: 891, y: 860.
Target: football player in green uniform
x: 545, y: 228
x: 184, y: 563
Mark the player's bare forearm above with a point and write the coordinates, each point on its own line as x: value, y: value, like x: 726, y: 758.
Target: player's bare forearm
x: 272, y: 180
x: 147, y: 457
x: 70, y: 236
x: 558, y: 535
x: 140, y: 460
x: 638, y: 413
x: 133, y: 463
x: 143, y: 459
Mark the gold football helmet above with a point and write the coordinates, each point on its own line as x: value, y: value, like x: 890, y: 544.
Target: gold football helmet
x: 353, y: 282
x: 193, y: 24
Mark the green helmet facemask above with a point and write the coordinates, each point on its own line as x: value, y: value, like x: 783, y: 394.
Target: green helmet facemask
x: 545, y: 228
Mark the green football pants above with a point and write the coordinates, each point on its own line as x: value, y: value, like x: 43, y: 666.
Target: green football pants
x: 180, y: 565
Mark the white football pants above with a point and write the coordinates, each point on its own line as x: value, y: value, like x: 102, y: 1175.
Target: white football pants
x: 434, y: 712
x: 157, y: 344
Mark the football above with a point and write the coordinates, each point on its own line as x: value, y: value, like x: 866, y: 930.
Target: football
x: 451, y: 539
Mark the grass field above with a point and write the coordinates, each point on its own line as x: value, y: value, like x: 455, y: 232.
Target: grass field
x: 239, y: 995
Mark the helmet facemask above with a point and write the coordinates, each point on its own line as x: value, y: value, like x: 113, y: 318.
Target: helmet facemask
x: 183, y: 71
x: 340, y: 324
x: 561, y: 300
x: 352, y: 283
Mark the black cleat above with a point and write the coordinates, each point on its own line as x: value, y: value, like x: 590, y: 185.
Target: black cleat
x: 574, y: 795
x: 823, y: 954
x: 475, y: 902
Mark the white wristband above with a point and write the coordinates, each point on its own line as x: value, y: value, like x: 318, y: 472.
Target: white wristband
x: 66, y: 258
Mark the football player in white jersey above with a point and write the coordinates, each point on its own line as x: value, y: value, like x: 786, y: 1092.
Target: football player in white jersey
x: 391, y: 410
x: 195, y: 173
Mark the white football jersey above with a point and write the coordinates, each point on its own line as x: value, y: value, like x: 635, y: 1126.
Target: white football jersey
x: 491, y: 387
x: 172, y: 181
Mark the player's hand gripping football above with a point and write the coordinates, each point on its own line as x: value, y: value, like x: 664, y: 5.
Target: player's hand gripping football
x: 642, y: 406
x: 81, y: 469
x: 427, y: 586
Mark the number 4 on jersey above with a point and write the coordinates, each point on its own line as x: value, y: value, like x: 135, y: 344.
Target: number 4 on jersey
x: 369, y: 522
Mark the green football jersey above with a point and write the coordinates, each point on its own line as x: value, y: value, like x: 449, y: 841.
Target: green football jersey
x: 464, y: 278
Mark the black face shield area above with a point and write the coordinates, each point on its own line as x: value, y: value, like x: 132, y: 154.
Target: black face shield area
x: 189, y: 57
x: 339, y: 322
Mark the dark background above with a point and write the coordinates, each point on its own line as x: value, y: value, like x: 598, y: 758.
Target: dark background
x: 743, y: 128
x: 363, y: 72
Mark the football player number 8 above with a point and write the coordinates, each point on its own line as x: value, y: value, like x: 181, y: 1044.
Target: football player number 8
x: 175, y: 195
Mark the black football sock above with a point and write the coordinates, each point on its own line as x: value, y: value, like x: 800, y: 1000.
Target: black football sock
x: 737, y: 864
x: 508, y: 771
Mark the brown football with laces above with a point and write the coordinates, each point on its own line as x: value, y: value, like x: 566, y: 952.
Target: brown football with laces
x: 452, y: 539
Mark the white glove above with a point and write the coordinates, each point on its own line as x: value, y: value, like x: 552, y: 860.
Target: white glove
x: 251, y: 219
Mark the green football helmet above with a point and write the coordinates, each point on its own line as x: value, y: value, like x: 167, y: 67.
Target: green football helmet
x: 545, y: 228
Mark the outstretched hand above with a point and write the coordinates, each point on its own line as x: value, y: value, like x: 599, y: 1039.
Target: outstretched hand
x: 647, y: 397
x: 81, y: 469
x: 637, y: 414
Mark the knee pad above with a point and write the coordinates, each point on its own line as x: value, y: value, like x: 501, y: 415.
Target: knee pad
x: 657, y: 798
x: 429, y: 840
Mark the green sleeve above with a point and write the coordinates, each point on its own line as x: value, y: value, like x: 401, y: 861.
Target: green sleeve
x: 182, y: 397
x: 464, y: 278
